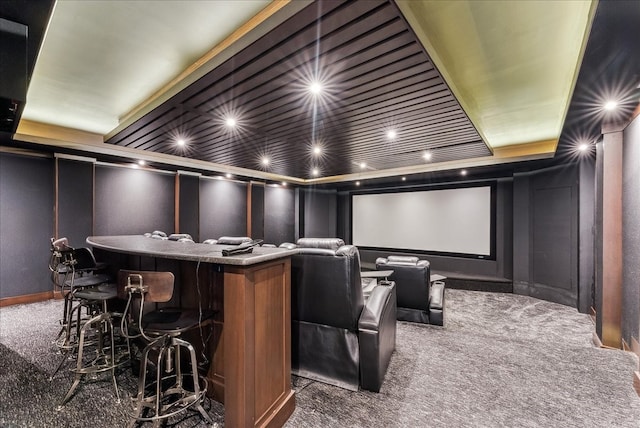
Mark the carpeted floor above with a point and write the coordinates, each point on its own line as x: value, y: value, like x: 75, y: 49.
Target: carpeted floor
x: 500, y: 361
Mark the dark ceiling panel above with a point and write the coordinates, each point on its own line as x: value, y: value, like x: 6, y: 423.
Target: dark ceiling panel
x: 376, y: 77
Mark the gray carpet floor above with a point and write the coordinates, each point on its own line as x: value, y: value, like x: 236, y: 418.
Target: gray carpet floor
x: 501, y: 360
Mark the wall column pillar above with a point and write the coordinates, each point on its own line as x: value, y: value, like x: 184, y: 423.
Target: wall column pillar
x: 609, y: 227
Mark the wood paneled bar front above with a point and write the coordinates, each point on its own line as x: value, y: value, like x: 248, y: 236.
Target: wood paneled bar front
x: 249, y: 351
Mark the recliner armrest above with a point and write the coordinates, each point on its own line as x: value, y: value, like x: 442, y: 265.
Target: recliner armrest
x: 436, y: 303
x: 436, y: 295
x: 375, y: 305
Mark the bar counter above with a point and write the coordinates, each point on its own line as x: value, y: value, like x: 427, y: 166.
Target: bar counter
x: 250, y: 348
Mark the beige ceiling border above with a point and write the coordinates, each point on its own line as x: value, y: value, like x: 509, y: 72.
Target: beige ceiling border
x: 266, y: 20
x: 435, y: 167
x: 406, y: 9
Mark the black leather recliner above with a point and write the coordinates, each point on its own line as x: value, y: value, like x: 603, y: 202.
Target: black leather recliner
x: 418, y: 299
x: 337, y: 337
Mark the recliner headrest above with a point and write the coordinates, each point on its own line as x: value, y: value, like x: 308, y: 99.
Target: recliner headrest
x: 344, y: 250
x: 401, y: 261
x: 326, y: 243
x: 179, y: 236
x: 233, y: 240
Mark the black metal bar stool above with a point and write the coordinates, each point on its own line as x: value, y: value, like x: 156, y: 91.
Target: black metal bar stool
x: 176, y: 387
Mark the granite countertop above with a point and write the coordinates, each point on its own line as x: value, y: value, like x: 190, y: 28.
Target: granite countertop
x: 142, y: 245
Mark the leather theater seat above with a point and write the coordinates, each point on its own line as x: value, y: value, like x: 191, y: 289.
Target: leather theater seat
x: 337, y: 336
x: 419, y: 300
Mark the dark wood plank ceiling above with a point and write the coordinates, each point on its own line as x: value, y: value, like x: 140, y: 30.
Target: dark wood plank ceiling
x: 376, y: 77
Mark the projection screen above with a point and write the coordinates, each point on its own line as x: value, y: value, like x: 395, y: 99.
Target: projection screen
x: 441, y: 221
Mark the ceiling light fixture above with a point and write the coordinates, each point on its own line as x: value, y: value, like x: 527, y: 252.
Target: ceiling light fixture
x: 317, y: 150
x: 265, y: 161
x: 230, y: 122
x: 357, y: 183
x: 363, y: 165
x: 610, y: 105
x: 315, y: 88
x: 141, y: 162
x: 463, y: 172
x: 284, y: 184
x: 228, y: 175
x: 404, y: 178
x: 426, y: 155
x: 315, y: 172
x: 391, y: 134
x: 583, y: 147
x: 181, y: 142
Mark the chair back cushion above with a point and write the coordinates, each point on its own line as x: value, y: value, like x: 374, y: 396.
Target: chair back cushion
x: 233, y: 240
x: 412, y: 277
x: 159, y: 284
x: 327, y: 243
x: 325, y: 284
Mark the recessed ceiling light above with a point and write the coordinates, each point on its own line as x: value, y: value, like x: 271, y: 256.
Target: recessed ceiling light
x: 317, y: 150
x: 391, y: 134
x: 141, y: 162
x: 463, y: 172
x: 363, y: 165
x: 583, y: 147
x: 315, y: 171
x: 181, y: 142
x: 230, y: 122
x: 315, y: 88
x: 134, y: 165
x: 284, y: 184
x: 357, y: 183
x: 228, y: 175
x: 610, y: 105
x: 265, y: 161
x: 426, y: 155
x: 404, y: 178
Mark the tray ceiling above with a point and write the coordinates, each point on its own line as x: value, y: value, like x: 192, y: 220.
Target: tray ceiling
x: 460, y: 83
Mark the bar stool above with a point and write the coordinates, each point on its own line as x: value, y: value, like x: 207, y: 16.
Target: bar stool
x: 98, y: 353
x: 161, y: 330
x: 81, y: 272
x: 71, y: 270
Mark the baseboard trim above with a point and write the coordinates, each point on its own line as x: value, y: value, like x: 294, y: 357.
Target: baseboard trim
x: 596, y: 340
x: 26, y: 298
x: 635, y: 346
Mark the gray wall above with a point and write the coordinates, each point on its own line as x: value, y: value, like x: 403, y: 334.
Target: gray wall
x: 586, y: 249
x: 26, y: 224
x: 223, y: 208
x: 133, y: 201
x: 320, y: 213
x: 631, y: 232
x: 189, y: 205
x: 75, y: 200
x: 279, y: 215
x: 545, y: 224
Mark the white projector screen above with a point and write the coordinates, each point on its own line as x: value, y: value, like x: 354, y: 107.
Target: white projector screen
x: 444, y: 221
